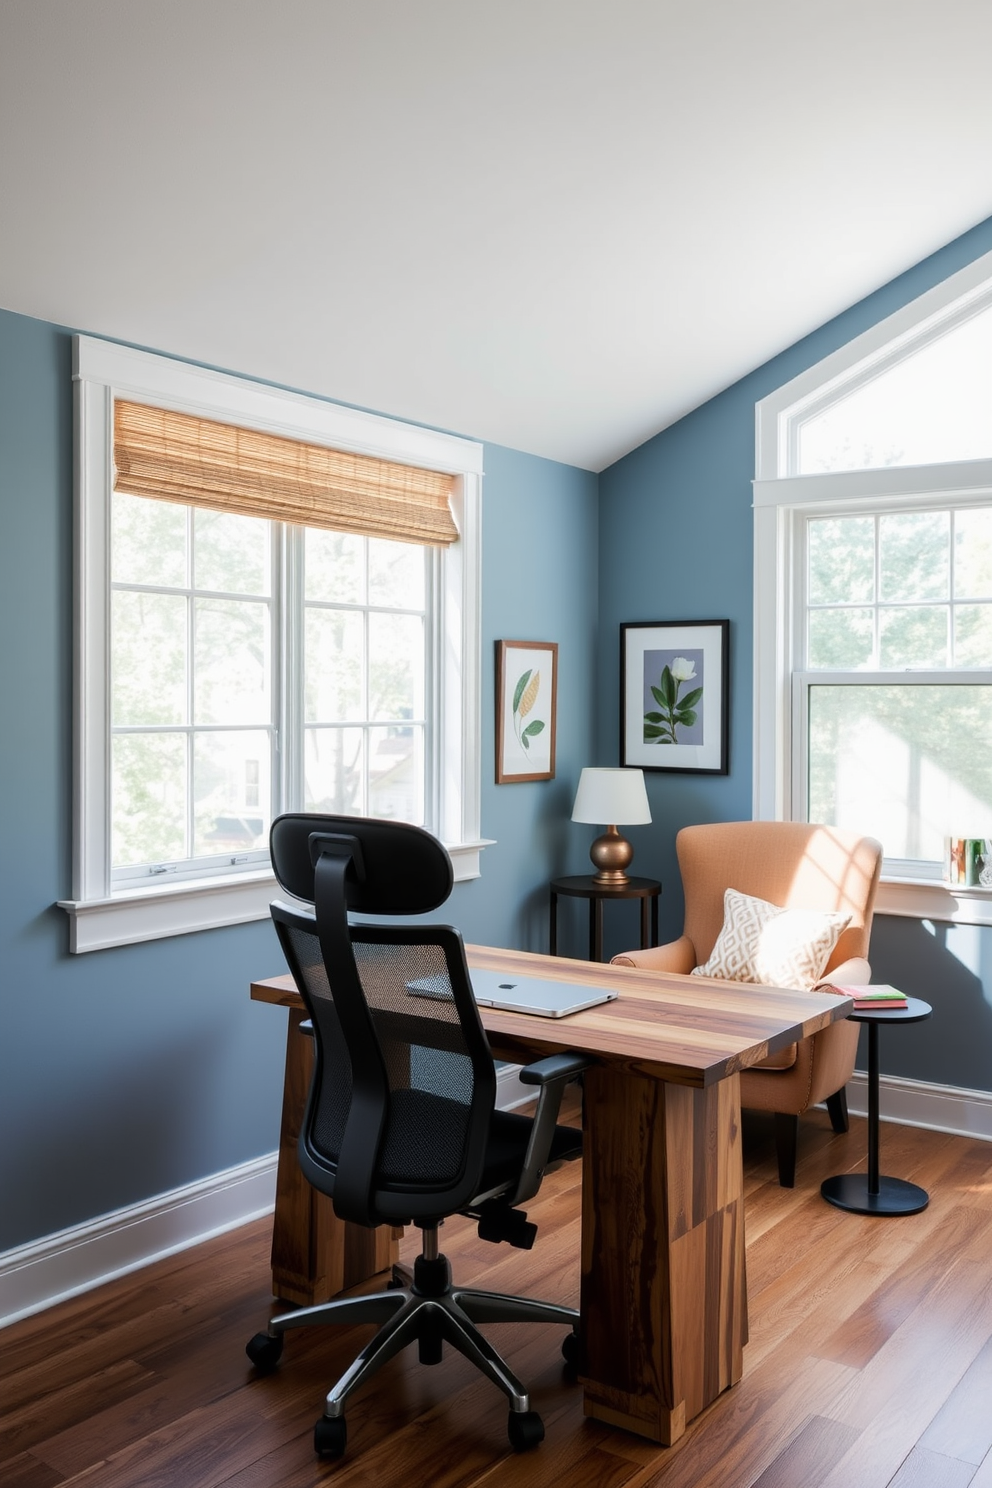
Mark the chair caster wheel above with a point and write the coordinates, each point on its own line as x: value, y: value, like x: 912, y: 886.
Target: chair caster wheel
x: 264, y: 1351
x: 570, y: 1349
x: 525, y: 1430
x: 330, y: 1436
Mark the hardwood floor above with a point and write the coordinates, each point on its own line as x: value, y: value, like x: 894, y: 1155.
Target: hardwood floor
x: 869, y: 1361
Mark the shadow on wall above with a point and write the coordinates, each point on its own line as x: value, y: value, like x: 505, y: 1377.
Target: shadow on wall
x: 950, y: 966
x: 550, y: 851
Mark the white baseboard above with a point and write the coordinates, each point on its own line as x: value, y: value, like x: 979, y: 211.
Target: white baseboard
x: 59, y: 1266
x: 946, y: 1108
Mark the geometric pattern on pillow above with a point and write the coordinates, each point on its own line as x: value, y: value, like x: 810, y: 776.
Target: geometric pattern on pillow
x: 760, y: 942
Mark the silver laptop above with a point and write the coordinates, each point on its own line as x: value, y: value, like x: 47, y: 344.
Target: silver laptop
x: 538, y: 995
x: 548, y: 999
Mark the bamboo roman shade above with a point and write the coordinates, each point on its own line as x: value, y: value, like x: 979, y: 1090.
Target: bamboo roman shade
x: 178, y: 457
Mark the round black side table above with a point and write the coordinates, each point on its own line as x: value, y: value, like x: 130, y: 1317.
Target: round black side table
x: 584, y: 886
x: 867, y: 1193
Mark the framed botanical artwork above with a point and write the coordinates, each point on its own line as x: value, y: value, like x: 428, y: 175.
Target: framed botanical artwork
x: 674, y: 695
x: 526, y: 699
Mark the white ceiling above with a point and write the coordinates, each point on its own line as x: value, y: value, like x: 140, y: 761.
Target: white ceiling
x: 556, y: 224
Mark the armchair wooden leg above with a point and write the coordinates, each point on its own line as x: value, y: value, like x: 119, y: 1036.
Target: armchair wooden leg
x: 786, y: 1142
x: 837, y: 1109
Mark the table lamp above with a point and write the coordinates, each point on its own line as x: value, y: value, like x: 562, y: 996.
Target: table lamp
x: 611, y: 796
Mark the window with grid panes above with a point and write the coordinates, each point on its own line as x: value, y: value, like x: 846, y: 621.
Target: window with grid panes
x: 366, y: 644
x: 894, y: 695
x: 873, y: 584
x: 198, y: 618
x: 229, y: 666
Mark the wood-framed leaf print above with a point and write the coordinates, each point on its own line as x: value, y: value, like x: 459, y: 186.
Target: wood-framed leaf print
x: 526, y: 701
x: 674, y: 695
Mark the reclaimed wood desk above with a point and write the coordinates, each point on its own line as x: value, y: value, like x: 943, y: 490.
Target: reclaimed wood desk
x: 663, y: 1299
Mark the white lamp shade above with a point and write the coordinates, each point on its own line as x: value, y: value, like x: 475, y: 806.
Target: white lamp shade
x: 614, y: 797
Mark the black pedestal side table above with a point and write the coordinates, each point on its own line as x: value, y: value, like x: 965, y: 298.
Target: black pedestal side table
x: 584, y: 886
x: 867, y: 1193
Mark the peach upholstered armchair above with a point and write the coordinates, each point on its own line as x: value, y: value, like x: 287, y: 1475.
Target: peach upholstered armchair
x: 797, y: 867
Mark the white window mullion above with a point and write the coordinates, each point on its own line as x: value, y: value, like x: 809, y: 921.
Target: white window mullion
x: 799, y: 729
x: 796, y: 647
x: 366, y: 699
x: 433, y: 623
x: 952, y: 655
x: 190, y: 679
x: 289, y: 614
x: 877, y: 615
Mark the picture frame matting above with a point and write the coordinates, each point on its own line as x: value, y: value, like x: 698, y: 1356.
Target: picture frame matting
x: 675, y: 695
x: 526, y: 710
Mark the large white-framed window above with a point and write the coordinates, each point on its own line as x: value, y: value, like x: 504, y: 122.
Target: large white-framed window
x: 351, y: 682
x: 873, y: 592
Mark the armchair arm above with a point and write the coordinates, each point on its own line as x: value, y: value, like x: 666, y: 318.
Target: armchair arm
x: 855, y: 970
x: 551, y: 1075
x: 823, y: 1063
x: 678, y: 956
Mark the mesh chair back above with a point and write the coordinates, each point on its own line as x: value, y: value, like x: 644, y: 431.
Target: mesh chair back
x: 404, y: 1084
x: 301, y: 947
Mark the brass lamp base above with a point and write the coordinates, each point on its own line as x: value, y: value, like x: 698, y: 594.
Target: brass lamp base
x: 611, y: 856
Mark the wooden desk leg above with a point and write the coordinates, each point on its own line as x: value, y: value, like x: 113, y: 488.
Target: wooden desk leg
x: 664, y: 1308
x: 314, y: 1254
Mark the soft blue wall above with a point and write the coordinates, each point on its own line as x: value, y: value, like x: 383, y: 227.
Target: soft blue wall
x: 676, y: 542
x: 540, y: 584
x: 127, y: 1072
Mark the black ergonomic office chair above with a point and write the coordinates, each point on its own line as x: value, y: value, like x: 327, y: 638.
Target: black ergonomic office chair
x: 401, y: 1125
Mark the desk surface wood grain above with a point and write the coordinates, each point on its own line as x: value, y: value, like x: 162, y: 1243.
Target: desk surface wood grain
x: 688, y: 1030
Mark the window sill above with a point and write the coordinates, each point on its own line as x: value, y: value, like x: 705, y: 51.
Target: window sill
x: 919, y: 899
x: 205, y: 904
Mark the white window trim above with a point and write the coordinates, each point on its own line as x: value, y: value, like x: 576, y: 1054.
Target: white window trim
x: 102, y: 370
x: 860, y: 361
x: 782, y: 498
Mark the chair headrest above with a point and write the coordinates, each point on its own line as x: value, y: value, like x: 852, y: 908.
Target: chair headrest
x: 397, y: 869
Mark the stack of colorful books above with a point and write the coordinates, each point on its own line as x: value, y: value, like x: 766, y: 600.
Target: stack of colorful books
x: 869, y: 995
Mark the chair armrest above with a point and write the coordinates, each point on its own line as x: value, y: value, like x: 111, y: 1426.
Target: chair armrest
x: 678, y: 956
x: 856, y: 970
x: 562, y: 1067
x: 306, y: 1027
x: 551, y: 1074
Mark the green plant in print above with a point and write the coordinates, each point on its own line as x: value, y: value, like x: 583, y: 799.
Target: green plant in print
x: 524, y: 698
x: 673, y: 712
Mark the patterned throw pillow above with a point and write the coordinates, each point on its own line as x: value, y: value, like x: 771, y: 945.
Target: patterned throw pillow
x: 760, y: 942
